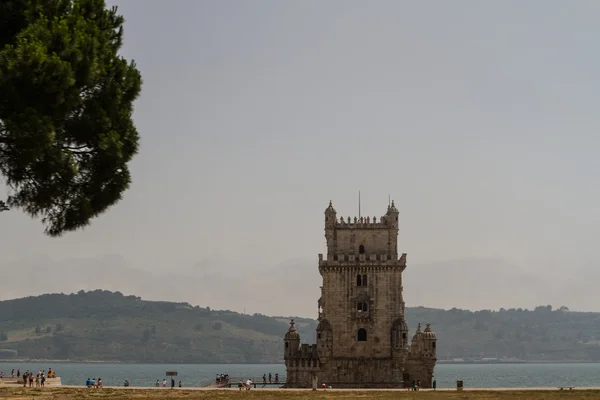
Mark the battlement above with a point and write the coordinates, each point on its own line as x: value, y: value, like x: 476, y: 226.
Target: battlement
x: 362, y: 223
x: 306, y: 351
x: 341, y: 259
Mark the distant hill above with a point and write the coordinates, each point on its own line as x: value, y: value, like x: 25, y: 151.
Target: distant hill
x: 108, y: 326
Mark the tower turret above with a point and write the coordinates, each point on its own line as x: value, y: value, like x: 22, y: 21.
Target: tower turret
x: 324, y: 340
x: 330, y: 216
x: 429, y: 342
x: 391, y: 217
x: 392, y: 214
x: 423, y: 344
x: 330, y: 220
x: 292, y: 342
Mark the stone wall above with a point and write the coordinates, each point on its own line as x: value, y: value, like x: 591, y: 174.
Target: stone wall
x: 383, y: 297
x: 362, y: 337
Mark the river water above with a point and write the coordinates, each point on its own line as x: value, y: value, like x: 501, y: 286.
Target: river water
x: 473, y: 375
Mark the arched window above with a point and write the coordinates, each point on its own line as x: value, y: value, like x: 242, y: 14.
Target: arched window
x: 287, y: 345
x: 358, y: 280
x: 361, y: 249
x: 359, y: 307
x: 364, y: 280
x: 335, y: 257
x: 364, y: 307
x: 362, y: 335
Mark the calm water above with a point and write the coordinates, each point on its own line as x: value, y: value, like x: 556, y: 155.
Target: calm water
x: 474, y: 375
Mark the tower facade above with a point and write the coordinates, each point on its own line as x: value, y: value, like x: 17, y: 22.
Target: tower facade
x: 362, y: 335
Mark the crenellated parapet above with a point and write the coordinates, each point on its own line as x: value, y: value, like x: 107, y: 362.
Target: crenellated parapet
x: 360, y: 259
x: 387, y: 221
x: 363, y: 223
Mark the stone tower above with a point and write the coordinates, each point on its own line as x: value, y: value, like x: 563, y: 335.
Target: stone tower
x: 362, y: 336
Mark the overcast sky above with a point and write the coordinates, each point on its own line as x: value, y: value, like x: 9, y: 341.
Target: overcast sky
x: 479, y: 118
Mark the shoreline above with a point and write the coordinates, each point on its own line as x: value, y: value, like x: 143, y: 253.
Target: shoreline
x: 271, y: 390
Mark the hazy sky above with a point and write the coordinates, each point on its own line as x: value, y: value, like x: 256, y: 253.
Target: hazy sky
x: 479, y: 118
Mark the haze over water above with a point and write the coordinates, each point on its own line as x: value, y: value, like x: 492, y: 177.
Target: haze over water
x: 479, y: 119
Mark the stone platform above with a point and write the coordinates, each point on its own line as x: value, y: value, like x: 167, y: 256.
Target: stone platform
x: 8, y: 381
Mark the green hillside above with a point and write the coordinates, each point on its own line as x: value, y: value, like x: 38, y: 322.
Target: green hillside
x: 103, y: 325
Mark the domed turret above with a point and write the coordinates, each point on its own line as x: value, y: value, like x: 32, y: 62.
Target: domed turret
x: 292, y: 334
x: 292, y: 342
x: 400, y: 335
x: 330, y: 209
x: 392, y: 215
x: 418, y: 333
x: 424, y: 343
x: 330, y: 216
x: 428, y: 334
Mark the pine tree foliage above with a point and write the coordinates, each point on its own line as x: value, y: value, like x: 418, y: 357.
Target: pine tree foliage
x: 66, y: 103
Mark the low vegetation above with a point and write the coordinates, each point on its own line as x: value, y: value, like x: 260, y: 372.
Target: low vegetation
x: 113, y: 394
x: 106, y: 326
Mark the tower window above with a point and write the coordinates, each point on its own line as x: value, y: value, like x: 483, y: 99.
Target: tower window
x: 359, y: 307
x: 361, y: 249
x: 364, y: 280
x: 335, y: 257
x: 404, y: 336
x: 358, y: 280
x: 433, y: 345
x: 362, y: 335
x: 287, y: 345
x: 364, y: 307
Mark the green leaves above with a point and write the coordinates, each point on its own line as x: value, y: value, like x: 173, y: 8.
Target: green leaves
x: 66, y: 101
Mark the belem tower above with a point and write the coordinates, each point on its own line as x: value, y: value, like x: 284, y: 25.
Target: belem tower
x: 362, y: 336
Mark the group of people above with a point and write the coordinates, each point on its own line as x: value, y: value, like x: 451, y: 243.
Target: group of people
x: 248, y: 384
x: 94, y: 383
x: 222, y: 378
x: 29, y: 377
x: 164, y: 383
x: 270, y: 378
